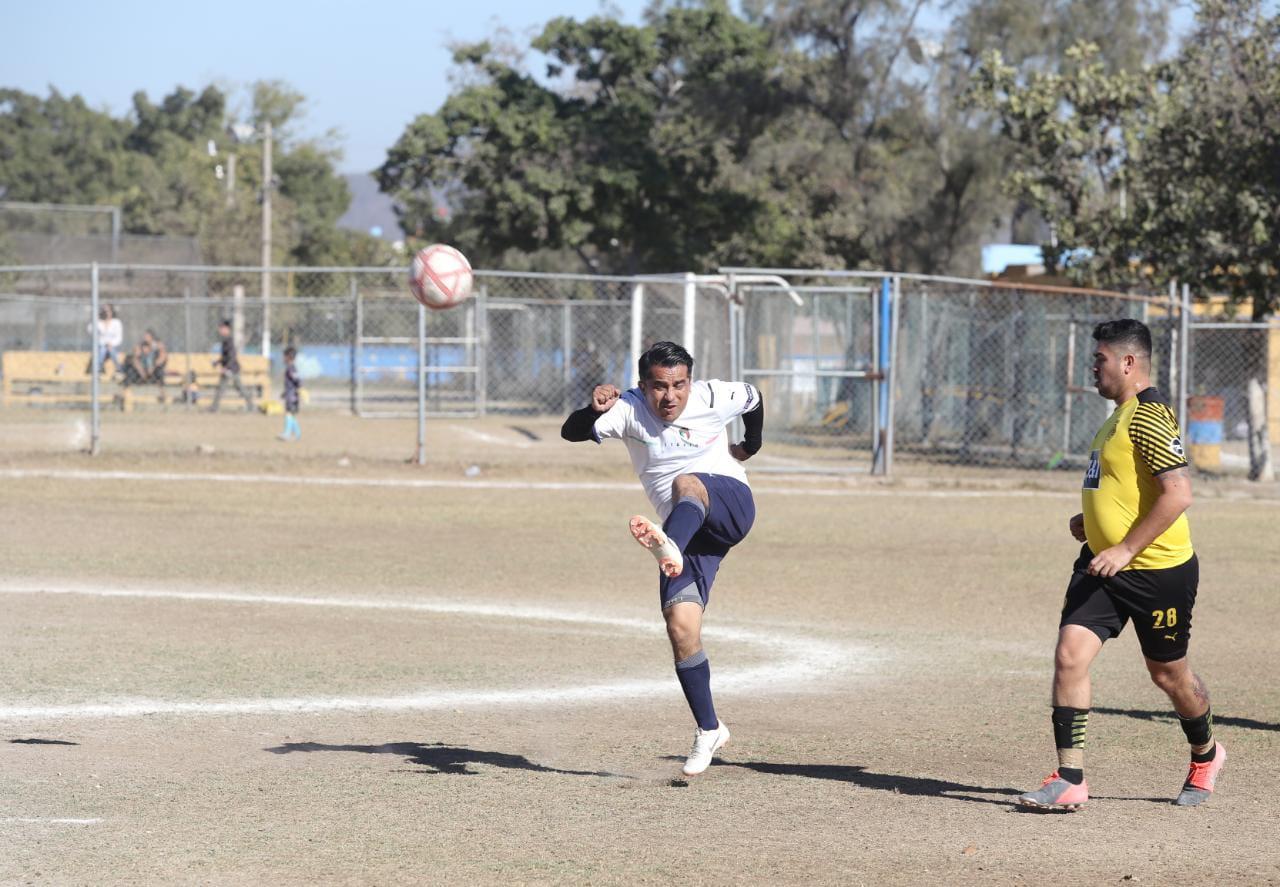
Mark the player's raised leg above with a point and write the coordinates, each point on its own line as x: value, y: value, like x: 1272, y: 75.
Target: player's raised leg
x: 684, y: 628
x: 689, y: 512
x: 687, y: 516
x: 1065, y: 788
x: 664, y: 550
x: 1190, y: 698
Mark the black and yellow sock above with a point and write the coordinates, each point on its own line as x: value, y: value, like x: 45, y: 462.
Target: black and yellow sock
x: 1199, y: 733
x: 1068, y: 735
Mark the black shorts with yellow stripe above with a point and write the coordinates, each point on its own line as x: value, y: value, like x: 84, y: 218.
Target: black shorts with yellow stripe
x: 1158, y: 601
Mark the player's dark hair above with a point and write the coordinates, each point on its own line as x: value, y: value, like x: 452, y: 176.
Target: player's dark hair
x: 291, y: 352
x: 1126, y: 331
x: 664, y: 354
x: 225, y: 322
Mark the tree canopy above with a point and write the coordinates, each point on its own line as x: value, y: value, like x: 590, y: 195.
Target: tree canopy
x: 155, y: 163
x: 801, y: 132
x: 824, y: 133
x: 1172, y: 171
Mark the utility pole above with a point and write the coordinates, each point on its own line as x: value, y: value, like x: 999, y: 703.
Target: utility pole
x: 266, y: 240
x: 231, y: 179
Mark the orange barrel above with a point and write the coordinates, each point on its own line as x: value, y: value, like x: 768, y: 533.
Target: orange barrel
x: 1204, y: 431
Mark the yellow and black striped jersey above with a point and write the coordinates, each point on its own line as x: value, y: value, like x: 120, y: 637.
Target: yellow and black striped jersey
x: 1139, y: 441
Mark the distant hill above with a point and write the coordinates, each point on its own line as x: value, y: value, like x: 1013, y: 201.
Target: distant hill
x: 370, y: 208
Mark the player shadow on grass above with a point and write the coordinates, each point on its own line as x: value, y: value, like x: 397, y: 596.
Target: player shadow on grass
x: 1218, y: 720
x: 903, y: 785
x: 861, y: 776
x: 439, y: 758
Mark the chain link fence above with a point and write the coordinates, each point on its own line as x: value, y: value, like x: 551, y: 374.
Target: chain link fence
x: 1002, y: 375
x: 54, y: 233
x: 1233, y: 392
x: 940, y: 371
x: 951, y: 371
x: 811, y: 350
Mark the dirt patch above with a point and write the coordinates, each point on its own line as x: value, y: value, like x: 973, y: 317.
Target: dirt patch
x: 894, y: 764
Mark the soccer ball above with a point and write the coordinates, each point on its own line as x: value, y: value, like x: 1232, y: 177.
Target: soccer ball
x: 440, y: 276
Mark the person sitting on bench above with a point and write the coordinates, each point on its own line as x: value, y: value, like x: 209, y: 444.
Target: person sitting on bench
x: 146, y: 365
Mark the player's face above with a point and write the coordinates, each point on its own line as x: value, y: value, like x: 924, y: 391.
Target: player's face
x: 667, y: 391
x: 1110, y: 368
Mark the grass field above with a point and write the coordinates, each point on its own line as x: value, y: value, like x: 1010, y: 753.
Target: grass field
x: 261, y: 662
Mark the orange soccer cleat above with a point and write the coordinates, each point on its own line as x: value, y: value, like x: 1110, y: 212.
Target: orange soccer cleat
x: 1201, y: 778
x: 1055, y: 793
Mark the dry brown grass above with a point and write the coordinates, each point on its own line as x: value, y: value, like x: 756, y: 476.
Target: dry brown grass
x: 896, y: 767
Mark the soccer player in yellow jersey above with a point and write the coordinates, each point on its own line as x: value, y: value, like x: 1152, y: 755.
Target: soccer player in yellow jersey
x: 1136, y: 563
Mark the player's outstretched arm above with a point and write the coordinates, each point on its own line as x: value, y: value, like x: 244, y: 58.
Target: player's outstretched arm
x: 753, y: 433
x: 580, y: 422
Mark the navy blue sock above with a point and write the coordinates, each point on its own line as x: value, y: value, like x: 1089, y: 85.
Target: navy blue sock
x: 684, y: 521
x: 695, y: 679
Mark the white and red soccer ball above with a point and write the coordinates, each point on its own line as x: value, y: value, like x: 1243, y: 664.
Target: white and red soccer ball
x: 440, y: 276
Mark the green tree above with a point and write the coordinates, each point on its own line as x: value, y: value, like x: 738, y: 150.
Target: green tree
x: 806, y: 132
x: 911, y: 171
x: 59, y: 150
x: 1165, y: 173
x: 181, y: 114
x: 631, y: 166
x: 155, y: 164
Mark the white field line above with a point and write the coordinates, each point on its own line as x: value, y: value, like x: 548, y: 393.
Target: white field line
x: 443, y: 483
x: 49, y: 821
x: 795, y: 660
x: 615, y: 486
x: 485, y: 437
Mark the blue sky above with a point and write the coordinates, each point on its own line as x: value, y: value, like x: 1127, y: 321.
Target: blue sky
x: 366, y: 69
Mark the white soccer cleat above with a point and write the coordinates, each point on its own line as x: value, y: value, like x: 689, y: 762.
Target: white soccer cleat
x: 705, y: 744
x: 650, y: 535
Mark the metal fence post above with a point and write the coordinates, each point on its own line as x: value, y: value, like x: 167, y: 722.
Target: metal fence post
x: 880, y: 340
x: 1068, y: 390
x: 735, y: 349
x: 422, y: 385
x: 95, y: 384
x: 186, y: 345
x: 689, y: 329
x: 875, y: 387
x: 1173, y: 338
x: 895, y: 310
x: 1184, y: 376
x: 356, y: 357
x: 266, y: 240
x: 735, y: 358
x: 482, y: 350
x: 566, y: 352
x: 637, y: 332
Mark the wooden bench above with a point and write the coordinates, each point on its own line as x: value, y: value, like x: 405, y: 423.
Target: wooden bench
x: 255, y: 374
x: 54, y: 377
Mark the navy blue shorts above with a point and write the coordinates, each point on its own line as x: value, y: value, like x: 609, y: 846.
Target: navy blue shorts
x: 729, y: 519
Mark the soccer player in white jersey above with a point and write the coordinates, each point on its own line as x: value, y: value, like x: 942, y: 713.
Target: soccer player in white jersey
x: 674, y: 429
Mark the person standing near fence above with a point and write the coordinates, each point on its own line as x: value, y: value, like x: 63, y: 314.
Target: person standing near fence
x: 1136, y: 563
x: 674, y: 429
x: 292, y: 394
x: 229, y: 364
